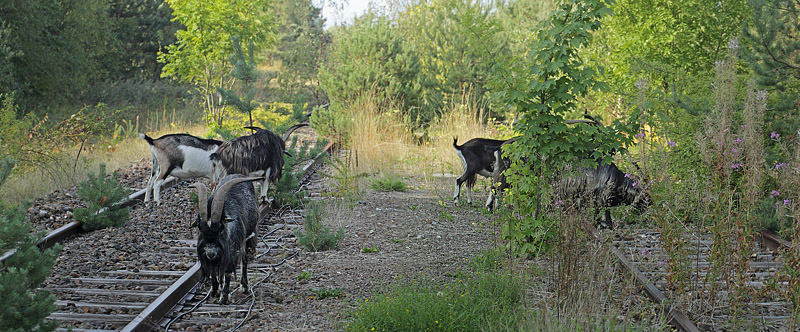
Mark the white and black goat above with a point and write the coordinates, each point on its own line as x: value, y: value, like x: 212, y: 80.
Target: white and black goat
x: 228, y: 222
x: 180, y: 155
x: 259, y: 154
x: 477, y: 158
x: 605, y: 185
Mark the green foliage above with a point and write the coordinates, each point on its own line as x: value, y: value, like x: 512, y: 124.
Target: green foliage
x: 301, y: 43
x: 544, y: 90
x: 457, y: 43
x: 26, y: 308
x: 55, y: 48
x: 390, y: 183
x: 371, y: 56
x: 316, y: 236
x: 102, y: 195
x: 772, y: 42
x: 244, y: 74
x: 202, y: 47
x: 304, y: 275
x: 477, y: 303
x: 324, y: 293
x: 347, y: 181
x: 686, y: 35
x: 372, y: 249
x: 286, y: 189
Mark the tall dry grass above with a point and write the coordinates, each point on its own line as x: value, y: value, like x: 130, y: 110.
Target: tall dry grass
x: 382, y: 142
x: 72, y: 167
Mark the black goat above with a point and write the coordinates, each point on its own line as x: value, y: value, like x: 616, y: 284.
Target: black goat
x: 605, y: 185
x: 228, y: 221
x: 180, y: 155
x: 477, y: 157
x: 259, y: 154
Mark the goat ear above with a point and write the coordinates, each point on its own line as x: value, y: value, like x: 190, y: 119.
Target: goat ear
x: 287, y: 153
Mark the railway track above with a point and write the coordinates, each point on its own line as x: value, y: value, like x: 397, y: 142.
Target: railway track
x: 695, y: 309
x: 153, y: 281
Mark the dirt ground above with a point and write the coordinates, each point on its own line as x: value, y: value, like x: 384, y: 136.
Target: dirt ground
x: 416, y: 237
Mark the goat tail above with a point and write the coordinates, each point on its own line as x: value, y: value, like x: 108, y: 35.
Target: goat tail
x: 455, y: 141
x: 146, y: 138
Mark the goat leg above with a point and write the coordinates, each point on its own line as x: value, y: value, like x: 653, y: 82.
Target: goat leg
x: 226, y: 289
x: 214, y: 286
x: 245, y: 289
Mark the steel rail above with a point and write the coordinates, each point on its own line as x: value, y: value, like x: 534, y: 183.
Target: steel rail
x: 772, y: 240
x: 676, y: 317
x: 73, y: 228
x: 152, y: 316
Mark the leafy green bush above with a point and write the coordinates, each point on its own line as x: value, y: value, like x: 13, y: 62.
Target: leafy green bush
x: 25, y: 309
x: 389, y: 183
x: 102, y: 195
x: 315, y: 236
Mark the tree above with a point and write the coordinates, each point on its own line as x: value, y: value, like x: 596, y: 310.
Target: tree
x: 25, y: 308
x: 372, y: 56
x: 204, y: 44
x: 301, y: 45
x: 544, y: 90
x: 458, y: 42
x: 55, y: 48
x: 773, y: 48
x: 683, y: 35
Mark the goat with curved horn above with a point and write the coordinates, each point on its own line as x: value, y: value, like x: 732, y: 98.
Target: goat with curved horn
x: 227, y: 231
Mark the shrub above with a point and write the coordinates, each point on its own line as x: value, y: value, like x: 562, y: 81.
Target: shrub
x: 315, y: 236
x: 102, y: 194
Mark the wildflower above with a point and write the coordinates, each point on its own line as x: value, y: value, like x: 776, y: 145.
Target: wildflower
x: 639, y: 135
x: 774, y: 135
x: 774, y: 193
x: 645, y: 252
x: 628, y: 175
x: 779, y: 165
x: 786, y: 202
x: 634, y: 184
x: 761, y: 95
x: 738, y: 140
x: 671, y: 143
x: 734, y: 150
x: 736, y: 166
x: 733, y: 44
x: 641, y: 84
x: 744, y: 126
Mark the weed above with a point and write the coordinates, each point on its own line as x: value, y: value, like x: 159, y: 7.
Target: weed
x: 304, y: 275
x: 315, y: 236
x: 347, y: 181
x: 390, y: 183
x: 324, y: 293
x: 398, y: 240
x: 370, y: 249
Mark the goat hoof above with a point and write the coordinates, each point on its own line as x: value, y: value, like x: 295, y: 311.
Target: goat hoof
x: 224, y: 299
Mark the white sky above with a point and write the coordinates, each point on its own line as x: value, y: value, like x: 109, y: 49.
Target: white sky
x: 348, y: 9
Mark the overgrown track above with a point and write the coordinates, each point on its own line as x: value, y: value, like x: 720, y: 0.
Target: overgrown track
x: 132, y: 278
x: 695, y: 309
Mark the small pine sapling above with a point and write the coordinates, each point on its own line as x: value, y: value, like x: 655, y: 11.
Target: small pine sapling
x: 103, y: 196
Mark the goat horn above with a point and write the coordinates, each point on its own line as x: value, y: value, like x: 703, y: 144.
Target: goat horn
x: 292, y: 129
x: 219, y: 196
x: 202, y: 201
